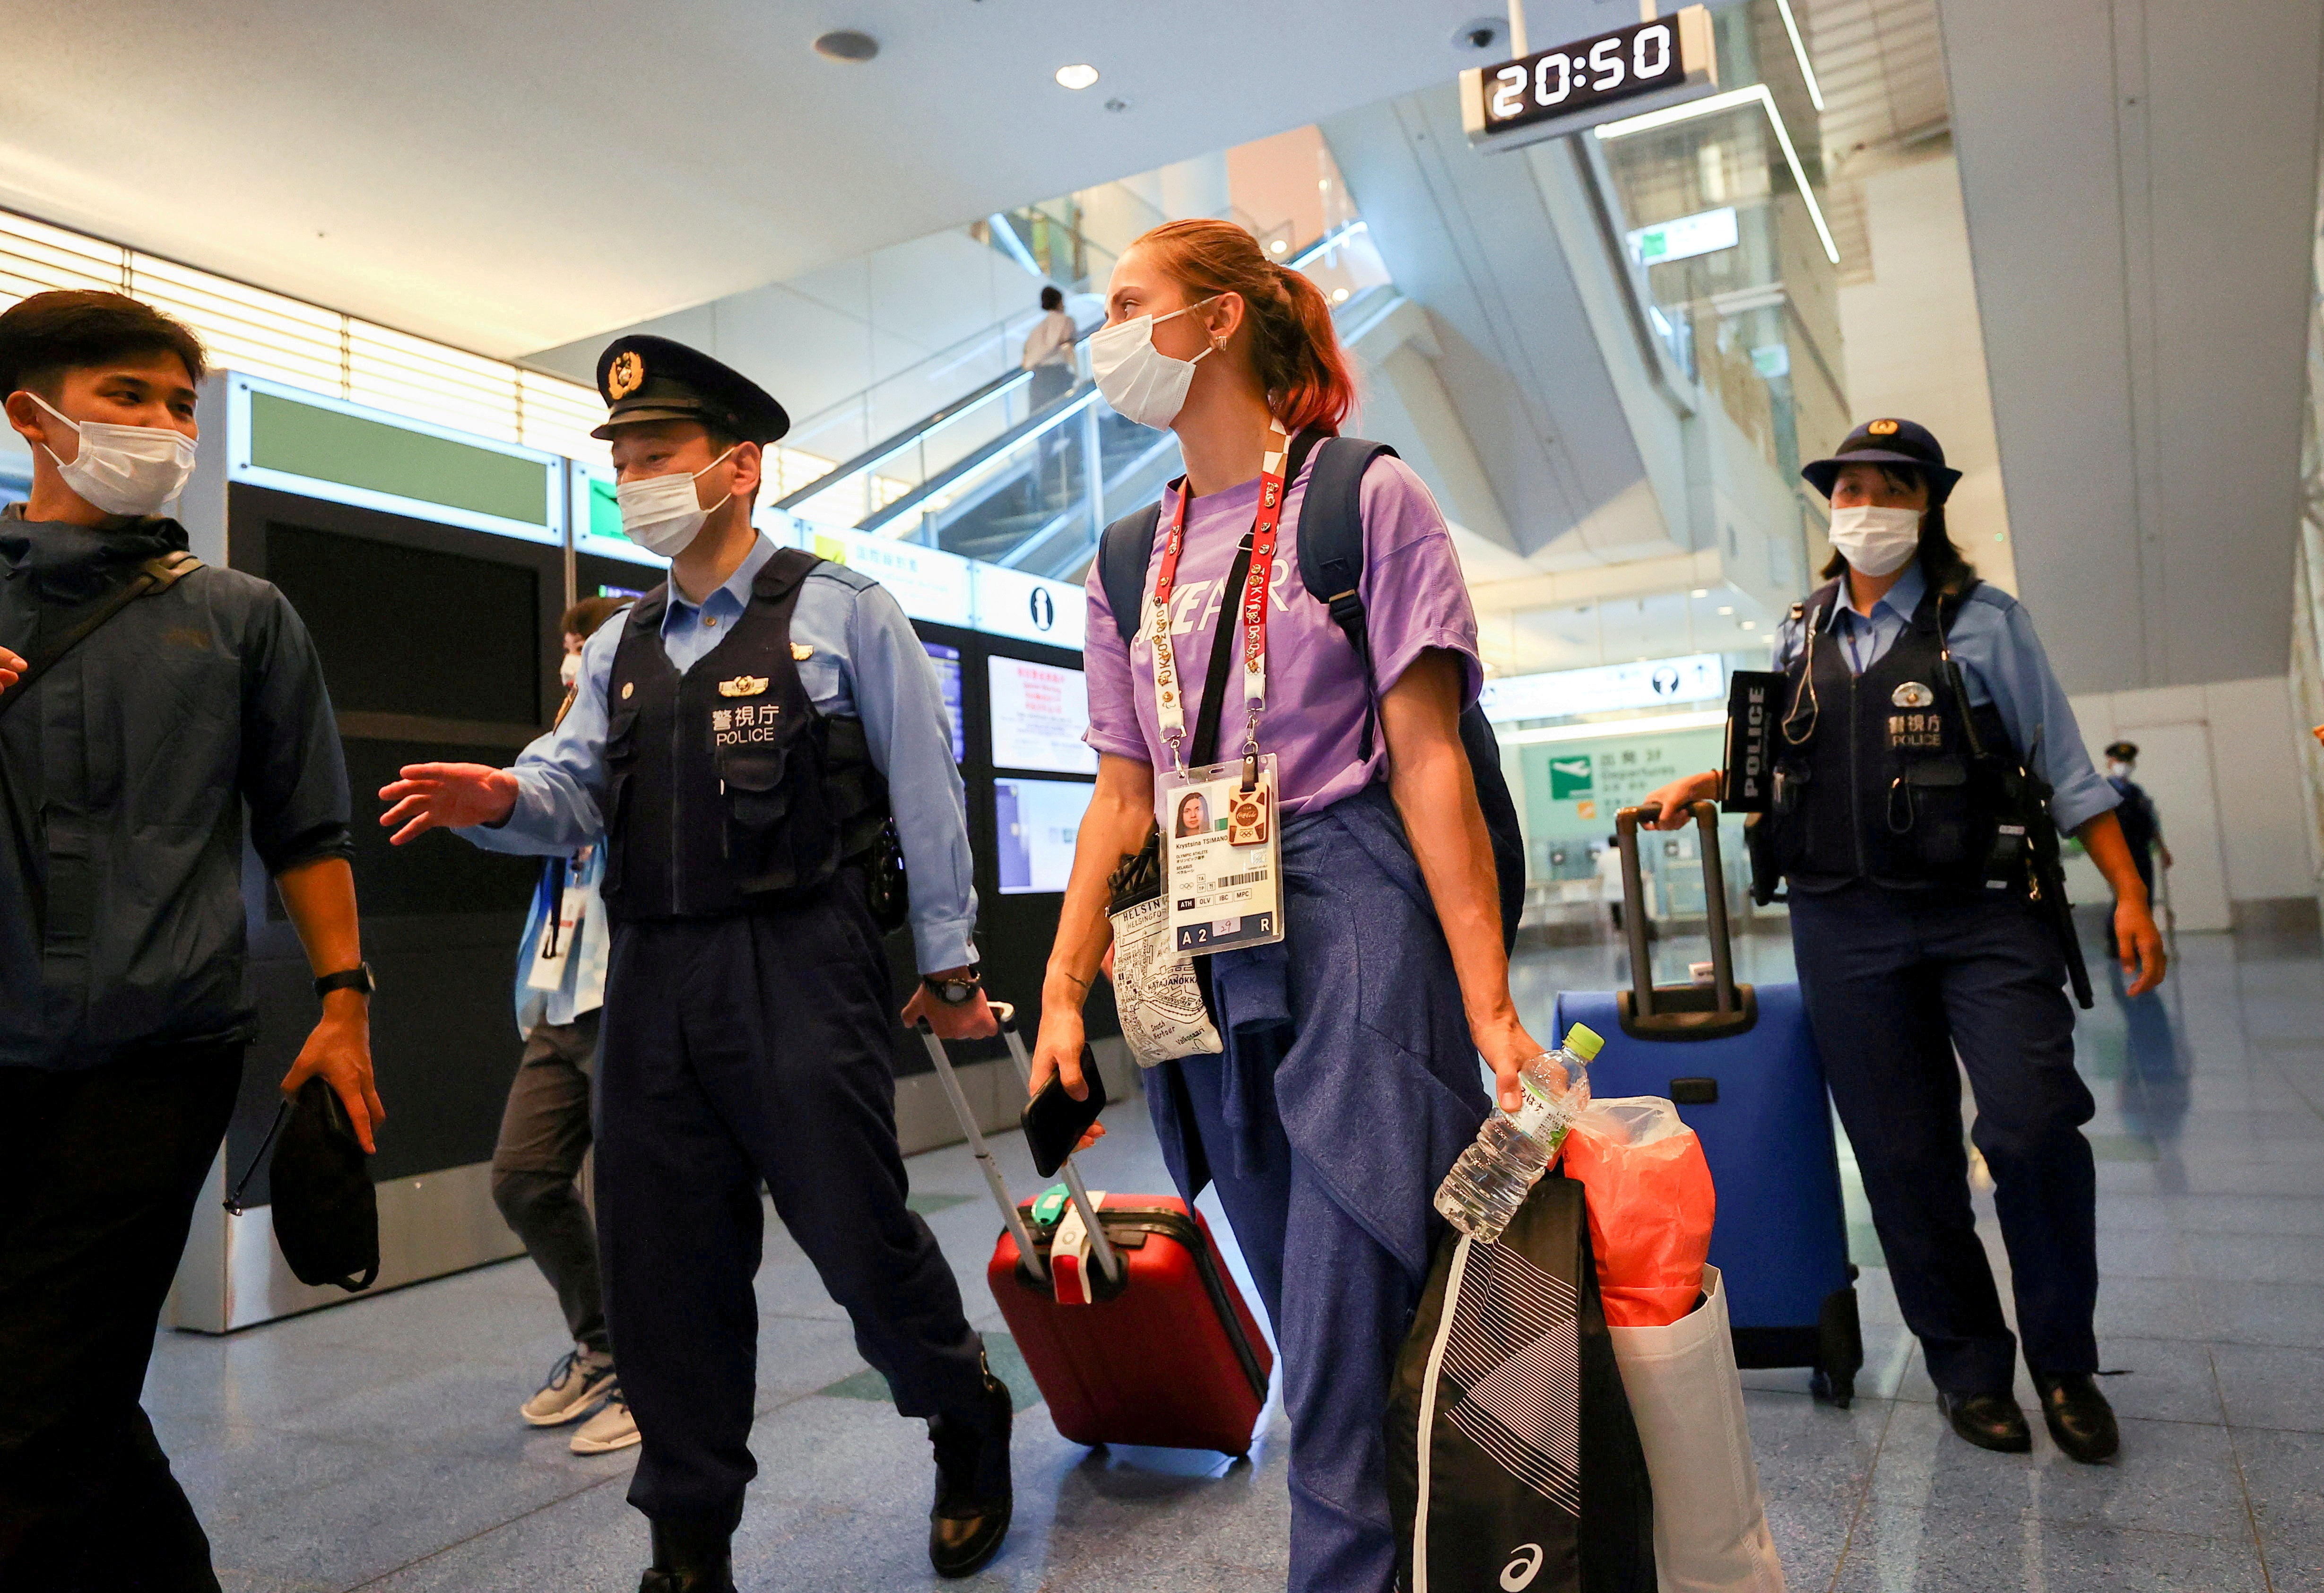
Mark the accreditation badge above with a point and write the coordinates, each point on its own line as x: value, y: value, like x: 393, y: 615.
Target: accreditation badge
x: 1222, y: 851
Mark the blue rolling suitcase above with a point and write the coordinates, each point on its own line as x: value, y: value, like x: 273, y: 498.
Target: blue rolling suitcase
x: 1740, y: 1064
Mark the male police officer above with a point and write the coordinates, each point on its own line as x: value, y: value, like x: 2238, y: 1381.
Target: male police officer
x: 736, y: 739
x: 1923, y: 735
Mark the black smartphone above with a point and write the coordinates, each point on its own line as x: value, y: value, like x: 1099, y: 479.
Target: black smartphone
x: 1054, y: 1123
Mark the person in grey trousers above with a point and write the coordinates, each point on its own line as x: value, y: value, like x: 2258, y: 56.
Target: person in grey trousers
x: 560, y: 989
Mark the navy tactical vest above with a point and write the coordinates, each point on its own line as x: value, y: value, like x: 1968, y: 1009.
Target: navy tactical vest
x: 1891, y: 774
x: 725, y: 789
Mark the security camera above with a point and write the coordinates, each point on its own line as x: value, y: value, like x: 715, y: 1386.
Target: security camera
x: 1487, y: 36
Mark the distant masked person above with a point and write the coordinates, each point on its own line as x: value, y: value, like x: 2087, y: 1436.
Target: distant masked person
x: 2142, y: 826
x: 1349, y: 1081
x: 560, y: 985
x: 1921, y: 721
x: 191, y: 718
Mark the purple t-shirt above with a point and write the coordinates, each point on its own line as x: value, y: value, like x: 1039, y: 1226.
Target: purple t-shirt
x: 1413, y: 597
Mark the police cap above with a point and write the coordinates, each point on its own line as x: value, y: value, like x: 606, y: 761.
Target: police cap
x: 2123, y: 751
x: 1905, y: 443
x: 647, y: 378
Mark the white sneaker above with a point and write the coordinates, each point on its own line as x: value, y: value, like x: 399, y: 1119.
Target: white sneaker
x: 612, y: 1428
x: 575, y: 1384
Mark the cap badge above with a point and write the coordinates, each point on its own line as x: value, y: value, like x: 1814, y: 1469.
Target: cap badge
x: 629, y: 373
x: 1882, y: 428
x: 1913, y: 694
x: 742, y: 685
x: 801, y: 652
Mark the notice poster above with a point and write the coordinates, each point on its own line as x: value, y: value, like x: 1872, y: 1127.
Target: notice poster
x: 1039, y: 714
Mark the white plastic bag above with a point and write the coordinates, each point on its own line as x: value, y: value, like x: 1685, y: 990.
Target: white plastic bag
x: 1710, y: 1520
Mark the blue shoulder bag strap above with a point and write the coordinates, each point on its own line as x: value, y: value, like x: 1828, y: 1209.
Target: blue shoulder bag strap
x: 1332, y: 564
x: 1122, y: 556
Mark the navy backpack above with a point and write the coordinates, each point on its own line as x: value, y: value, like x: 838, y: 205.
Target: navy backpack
x: 1330, y: 562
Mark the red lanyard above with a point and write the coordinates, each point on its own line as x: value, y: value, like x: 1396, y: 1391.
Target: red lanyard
x: 1169, y: 700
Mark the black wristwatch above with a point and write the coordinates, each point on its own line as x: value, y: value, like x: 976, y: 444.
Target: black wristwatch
x: 358, y: 978
x: 954, y: 991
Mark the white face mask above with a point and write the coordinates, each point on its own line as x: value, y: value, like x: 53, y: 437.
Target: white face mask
x: 662, y: 513
x: 132, y: 470
x: 1876, y: 541
x: 1139, y: 380
x: 2120, y: 771
x: 568, y: 669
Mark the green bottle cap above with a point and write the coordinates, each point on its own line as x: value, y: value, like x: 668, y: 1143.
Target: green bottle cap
x: 1583, y: 1041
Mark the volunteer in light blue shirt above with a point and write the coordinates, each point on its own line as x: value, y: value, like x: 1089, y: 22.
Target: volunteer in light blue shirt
x: 1919, y: 724
x: 742, y: 740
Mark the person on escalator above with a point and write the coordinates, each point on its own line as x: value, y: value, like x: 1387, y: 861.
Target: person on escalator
x: 1910, y: 827
x: 1349, y: 1083
x: 1049, y: 355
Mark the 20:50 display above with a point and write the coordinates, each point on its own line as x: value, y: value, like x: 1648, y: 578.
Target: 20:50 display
x: 1555, y: 76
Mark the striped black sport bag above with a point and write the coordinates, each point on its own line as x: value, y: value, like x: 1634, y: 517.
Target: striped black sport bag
x: 1512, y: 1459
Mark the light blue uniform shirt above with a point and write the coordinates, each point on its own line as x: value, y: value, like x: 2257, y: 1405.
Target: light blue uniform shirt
x: 2001, y: 660
x: 866, y: 661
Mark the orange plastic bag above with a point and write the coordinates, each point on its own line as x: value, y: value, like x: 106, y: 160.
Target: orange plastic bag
x: 1651, y: 1206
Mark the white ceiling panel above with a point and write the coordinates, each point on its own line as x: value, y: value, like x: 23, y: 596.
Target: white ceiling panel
x: 515, y: 175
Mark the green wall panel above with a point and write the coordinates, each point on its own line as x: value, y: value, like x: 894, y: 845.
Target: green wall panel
x: 325, y: 445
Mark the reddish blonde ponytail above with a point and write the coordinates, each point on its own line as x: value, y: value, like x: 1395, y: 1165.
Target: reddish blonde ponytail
x: 1293, y: 344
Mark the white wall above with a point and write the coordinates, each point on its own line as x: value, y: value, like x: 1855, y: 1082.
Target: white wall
x: 1915, y: 346
x: 2248, y: 809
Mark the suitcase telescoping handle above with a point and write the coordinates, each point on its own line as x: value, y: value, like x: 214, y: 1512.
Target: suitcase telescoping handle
x: 1683, y: 1013
x: 1107, y: 1260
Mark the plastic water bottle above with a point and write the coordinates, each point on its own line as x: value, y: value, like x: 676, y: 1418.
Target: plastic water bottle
x: 1493, y: 1176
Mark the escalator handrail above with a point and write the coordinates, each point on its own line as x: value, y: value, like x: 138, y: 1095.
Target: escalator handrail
x: 897, y: 441
x: 976, y: 459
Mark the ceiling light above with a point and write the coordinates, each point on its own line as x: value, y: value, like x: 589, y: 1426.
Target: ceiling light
x: 1726, y: 611
x: 1278, y: 246
x: 1751, y: 624
x: 847, y: 44
x: 1338, y: 296
x: 1079, y: 76
x: 1699, y: 591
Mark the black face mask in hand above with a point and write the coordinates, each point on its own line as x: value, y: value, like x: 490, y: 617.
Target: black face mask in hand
x: 325, y: 1211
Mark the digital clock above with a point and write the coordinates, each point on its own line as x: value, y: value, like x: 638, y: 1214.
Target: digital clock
x: 1631, y: 71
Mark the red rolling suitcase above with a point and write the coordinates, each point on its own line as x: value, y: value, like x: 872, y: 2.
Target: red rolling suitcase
x: 1142, y: 1339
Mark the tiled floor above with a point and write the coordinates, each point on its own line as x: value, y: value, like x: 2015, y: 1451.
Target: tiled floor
x: 376, y: 1445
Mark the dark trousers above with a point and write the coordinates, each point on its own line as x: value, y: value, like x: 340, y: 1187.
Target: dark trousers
x: 736, y: 1051
x: 1895, y: 982
x: 544, y: 1139
x: 100, y: 1170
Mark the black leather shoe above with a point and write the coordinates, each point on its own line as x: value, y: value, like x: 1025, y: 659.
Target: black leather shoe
x: 689, y: 1557
x: 973, y: 1496
x: 2079, y: 1417
x: 1989, y: 1421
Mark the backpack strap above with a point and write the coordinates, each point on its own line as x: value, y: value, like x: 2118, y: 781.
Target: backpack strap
x: 1331, y: 548
x: 158, y: 574
x: 1122, y: 554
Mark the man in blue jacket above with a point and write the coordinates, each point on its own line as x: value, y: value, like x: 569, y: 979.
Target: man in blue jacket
x: 126, y: 767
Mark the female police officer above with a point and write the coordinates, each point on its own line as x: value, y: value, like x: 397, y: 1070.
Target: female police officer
x: 1921, y: 723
